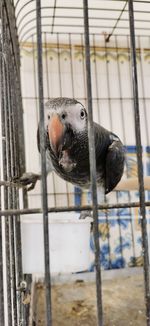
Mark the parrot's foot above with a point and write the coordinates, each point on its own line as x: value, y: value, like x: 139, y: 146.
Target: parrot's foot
x: 27, y: 179
x: 85, y: 214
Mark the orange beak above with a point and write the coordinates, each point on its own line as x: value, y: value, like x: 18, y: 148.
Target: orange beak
x: 56, y: 132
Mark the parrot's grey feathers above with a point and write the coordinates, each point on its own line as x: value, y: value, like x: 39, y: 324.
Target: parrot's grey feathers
x: 60, y: 102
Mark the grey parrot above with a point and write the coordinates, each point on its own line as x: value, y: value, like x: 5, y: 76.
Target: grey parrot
x: 67, y: 151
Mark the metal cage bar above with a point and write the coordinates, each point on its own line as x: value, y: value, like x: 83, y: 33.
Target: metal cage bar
x: 2, y: 318
x: 12, y: 164
x: 139, y: 161
x: 43, y: 167
x: 92, y: 158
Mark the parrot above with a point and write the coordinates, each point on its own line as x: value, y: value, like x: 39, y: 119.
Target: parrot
x: 67, y: 147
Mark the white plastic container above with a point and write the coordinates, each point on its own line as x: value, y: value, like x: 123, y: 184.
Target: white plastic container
x: 69, y: 243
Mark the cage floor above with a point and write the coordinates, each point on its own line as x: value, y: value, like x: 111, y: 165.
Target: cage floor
x: 75, y: 304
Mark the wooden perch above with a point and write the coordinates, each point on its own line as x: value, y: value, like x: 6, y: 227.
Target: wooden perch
x: 132, y: 184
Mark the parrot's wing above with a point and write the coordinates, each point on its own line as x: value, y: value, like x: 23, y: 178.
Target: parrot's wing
x: 114, y: 165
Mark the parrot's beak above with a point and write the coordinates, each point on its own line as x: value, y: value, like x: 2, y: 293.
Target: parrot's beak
x: 56, y: 134
x: 59, y: 135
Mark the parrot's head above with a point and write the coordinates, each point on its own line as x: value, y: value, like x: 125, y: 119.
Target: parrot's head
x: 65, y: 120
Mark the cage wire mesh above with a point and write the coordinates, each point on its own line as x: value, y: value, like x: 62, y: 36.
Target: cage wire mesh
x: 12, y: 163
x: 64, y: 74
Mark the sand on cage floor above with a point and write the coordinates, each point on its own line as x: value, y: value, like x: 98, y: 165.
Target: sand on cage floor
x: 75, y: 304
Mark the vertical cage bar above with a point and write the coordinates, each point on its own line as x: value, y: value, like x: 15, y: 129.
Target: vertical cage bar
x: 48, y: 93
x: 15, y: 220
x: 10, y: 171
x: 92, y: 164
x: 139, y: 161
x: 124, y: 141
x: 143, y: 91
x: 83, y: 70
x: 2, y: 321
x: 43, y: 166
x: 111, y: 127
x: 71, y: 64
x: 61, y: 94
x: 99, y: 121
x: 4, y: 99
x: 17, y: 130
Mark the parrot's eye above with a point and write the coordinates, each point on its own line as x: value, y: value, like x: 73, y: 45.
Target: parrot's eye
x: 82, y: 114
x: 48, y: 117
x: 63, y: 116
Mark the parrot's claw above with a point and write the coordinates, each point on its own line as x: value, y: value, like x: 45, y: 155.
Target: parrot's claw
x: 27, y: 179
x: 85, y: 214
